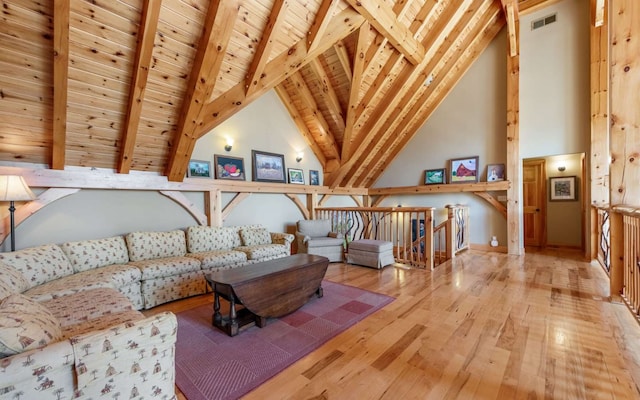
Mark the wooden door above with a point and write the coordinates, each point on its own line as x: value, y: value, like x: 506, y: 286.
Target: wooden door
x: 534, y: 195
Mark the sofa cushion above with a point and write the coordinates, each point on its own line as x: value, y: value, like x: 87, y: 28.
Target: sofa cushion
x: 25, y: 325
x: 255, y: 236
x: 263, y: 252
x: 90, y: 254
x: 314, y: 228
x: 11, y: 281
x: 162, y: 267
x: 149, y: 245
x: 39, y: 264
x: 211, y: 238
x: 220, y: 258
x: 324, y: 242
x: 112, y: 276
x: 87, y: 305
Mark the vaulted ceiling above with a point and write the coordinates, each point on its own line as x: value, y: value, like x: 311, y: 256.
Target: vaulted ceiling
x: 133, y: 84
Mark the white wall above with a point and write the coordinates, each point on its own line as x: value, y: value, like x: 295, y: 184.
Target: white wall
x: 554, y: 82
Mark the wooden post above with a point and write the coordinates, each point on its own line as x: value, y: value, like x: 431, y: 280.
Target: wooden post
x: 616, y: 273
x: 213, y: 207
x: 514, y: 164
x: 625, y: 97
x: 428, y: 239
x: 451, y: 232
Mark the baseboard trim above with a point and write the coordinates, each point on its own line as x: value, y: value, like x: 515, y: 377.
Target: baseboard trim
x: 486, y: 247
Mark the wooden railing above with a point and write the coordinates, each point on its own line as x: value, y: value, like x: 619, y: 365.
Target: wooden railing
x: 416, y: 241
x: 631, y: 256
x: 603, y: 247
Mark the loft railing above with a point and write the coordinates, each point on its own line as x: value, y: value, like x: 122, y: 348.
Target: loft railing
x: 604, y: 239
x: 631, y: 257
x: 416, y: 241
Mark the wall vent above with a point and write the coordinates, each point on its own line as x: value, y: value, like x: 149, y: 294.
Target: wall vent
x: 539, y: 23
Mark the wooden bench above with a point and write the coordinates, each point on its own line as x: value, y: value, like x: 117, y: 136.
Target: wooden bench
x: 268, y: 289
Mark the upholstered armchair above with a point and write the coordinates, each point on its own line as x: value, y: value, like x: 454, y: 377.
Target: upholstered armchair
x: 315, y: 237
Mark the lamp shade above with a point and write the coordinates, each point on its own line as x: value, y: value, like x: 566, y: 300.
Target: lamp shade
x: 14, y: 188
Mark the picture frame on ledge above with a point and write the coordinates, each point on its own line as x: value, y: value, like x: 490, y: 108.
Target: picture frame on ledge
x: 563, y: 188
x: 230, y: 168
x: 495, y: 172
x: 435, y: 176
x: 464, y: 170
x: 199, y: 169
x: 296, y: 176
x: 314, y: 177
x: 268, y: 167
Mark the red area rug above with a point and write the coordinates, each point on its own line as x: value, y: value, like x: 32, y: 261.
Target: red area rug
x: 211, y: 365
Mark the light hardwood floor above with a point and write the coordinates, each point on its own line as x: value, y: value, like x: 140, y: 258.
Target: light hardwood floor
x: 484, y: 326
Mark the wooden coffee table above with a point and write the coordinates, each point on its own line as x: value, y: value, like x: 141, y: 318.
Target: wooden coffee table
x: 268, y: 289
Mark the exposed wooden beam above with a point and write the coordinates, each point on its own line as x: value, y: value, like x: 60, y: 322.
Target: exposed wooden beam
x: 289, y: 61
x: 263, y: 50
x: 384, y: 76
x: 328, y: 94
x: 382, y: 17
x: 345, y: 60
x: 61, y: 16
x: 479, y: 29
x: 529, y: 6
x: 599, y: 161
x: 598, y: 12
x: 511, y: 13
x: 218, y: 27
x: 405, y: 83
x: 354, y: 93
x: 302, y: 127
x: 146, y: 36
x: 322, y: 126
x: 321, y: 23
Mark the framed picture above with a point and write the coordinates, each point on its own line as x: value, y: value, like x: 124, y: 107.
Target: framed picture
x: 314, y: 177
x: 296, y: 176
x: 464, y: 170
x: 435, y: 176
x: 199, y: 169
x: 268, y: 167
x: 495, y: 172
x: 562, y: 188
x: 227, y: 167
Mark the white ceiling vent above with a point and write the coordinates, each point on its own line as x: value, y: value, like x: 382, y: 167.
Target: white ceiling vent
x: 539, y: 23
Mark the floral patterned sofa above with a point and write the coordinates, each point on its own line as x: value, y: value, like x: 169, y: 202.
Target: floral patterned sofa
x: 69, y: 324
x: 82, y: 345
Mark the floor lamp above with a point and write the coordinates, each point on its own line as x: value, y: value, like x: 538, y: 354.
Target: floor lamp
x: 14, y: 188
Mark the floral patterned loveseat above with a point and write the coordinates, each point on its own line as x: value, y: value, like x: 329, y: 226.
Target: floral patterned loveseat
x: 82, y: 345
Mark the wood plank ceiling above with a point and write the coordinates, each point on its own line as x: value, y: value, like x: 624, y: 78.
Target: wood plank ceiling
x: 132, y: 84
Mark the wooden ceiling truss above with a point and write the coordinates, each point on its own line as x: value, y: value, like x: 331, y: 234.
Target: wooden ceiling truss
x: 135, y: 83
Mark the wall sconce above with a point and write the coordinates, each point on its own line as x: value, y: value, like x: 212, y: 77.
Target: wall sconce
x: 299, y: 157
x: 229, y: 145
x: 14, y: 188
x: 561, y: 167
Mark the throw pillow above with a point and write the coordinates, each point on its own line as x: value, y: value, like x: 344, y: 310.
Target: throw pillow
x: 25, y: 325
x: 255, y: 236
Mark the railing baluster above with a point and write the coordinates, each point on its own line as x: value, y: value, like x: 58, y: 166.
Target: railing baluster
x: 412, y: 231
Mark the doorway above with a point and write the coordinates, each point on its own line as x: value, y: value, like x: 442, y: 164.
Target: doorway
x: 551, y: 220
x: 534, y: 195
